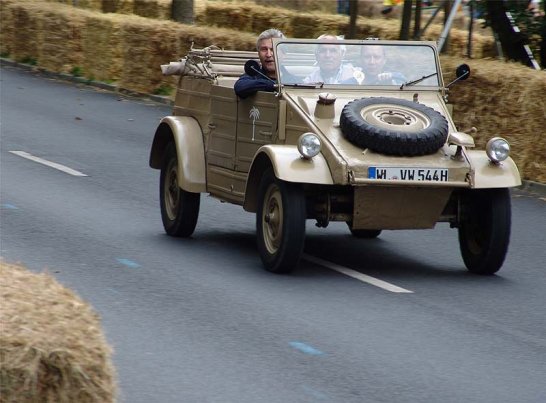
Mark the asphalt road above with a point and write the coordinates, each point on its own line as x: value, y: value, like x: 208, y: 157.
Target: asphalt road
x: 199, y: 320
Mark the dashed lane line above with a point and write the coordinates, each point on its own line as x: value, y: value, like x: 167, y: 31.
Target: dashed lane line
x: 51, y: 164
x: 357, y: 275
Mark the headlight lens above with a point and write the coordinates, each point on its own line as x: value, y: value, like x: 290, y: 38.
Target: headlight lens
x: 309, y: 145
x: 497, y: 149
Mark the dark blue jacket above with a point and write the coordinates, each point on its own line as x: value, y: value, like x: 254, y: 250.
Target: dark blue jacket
x: 247, y: 85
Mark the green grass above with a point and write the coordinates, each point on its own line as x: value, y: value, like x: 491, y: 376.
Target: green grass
x: 163, y: 90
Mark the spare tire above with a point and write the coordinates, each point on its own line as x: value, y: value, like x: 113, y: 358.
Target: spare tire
x: 393, y: 126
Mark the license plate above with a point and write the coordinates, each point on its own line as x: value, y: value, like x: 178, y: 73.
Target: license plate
x: 409, y: 174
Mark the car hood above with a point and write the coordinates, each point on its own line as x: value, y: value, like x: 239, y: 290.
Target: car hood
x: 355, y: 161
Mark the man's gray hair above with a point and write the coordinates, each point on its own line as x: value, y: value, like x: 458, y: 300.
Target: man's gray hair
x: 268, y: 34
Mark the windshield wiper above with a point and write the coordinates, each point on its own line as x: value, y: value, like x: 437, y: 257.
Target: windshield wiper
x: 408, y: 83
x: 307, y: 85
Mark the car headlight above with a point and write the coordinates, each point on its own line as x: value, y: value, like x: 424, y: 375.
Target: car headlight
x: 497, y: 149
x: 309, y: 145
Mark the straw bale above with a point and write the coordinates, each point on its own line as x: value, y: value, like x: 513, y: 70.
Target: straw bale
x: 7, y: 28
x: 504, y: 99
x: 52, y: 348
x: 27, y: 31
x: 62, y: 39
x: 228, y: 15
x: 153, y: 8
x: 102, y: 47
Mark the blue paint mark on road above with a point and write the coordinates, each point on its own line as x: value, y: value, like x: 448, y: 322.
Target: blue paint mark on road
x: 129, y: 263
x: 9, y: 206
x: 305, y: 348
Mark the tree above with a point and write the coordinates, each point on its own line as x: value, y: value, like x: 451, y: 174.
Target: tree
x: 182, y: 11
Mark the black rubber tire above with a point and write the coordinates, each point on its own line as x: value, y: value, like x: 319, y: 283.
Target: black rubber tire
x: 484, y: 229
x: 393, y: 126
x: 179, y: 208
x: 280, y: 223
x: 363, y: 233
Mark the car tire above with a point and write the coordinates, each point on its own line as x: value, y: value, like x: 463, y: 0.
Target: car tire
x: 393, y: 126
x: 179, y: 208
x: 484, y: 229
x: 280, y: 223
x: 363, y: 233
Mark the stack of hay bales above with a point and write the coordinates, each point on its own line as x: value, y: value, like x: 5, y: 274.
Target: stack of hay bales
x: 254, y: 18
x: 52, y: 349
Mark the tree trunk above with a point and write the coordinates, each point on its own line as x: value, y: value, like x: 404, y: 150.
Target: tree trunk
x: 353, y: 14
x: 182, y: 11
x: 406, y: 20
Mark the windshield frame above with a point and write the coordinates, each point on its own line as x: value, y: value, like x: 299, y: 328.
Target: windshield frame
x: 277, y: 42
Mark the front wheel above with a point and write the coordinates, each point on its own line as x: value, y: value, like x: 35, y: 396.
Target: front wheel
x: 179, y: 208
x: 484, y: 229
x: 280, y: 223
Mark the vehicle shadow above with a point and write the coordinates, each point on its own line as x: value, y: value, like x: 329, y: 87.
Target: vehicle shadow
x: 375, y: 257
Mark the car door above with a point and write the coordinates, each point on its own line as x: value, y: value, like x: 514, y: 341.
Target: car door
x: 257, y: 121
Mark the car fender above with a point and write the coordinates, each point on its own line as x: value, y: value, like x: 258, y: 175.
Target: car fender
x: 288, y: 165
x: 485, y: 174
x: 186, y: 134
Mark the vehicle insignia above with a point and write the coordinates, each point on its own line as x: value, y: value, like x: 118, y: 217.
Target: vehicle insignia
x: 254, y: 114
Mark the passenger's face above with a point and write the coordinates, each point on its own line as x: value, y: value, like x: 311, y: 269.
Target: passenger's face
x: 373, y: 60
x: 265, y: 53
x: 329, y: 57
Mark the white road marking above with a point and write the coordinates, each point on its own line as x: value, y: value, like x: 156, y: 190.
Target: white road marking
x: 39, y: 160
x: 357, y: 275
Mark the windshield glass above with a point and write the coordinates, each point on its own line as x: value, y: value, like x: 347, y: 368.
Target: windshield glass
x: 337, y: 63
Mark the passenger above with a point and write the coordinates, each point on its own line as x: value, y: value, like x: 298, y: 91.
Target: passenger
x: 329, y: 57
x: 372, y: 60
x: 247, y: 85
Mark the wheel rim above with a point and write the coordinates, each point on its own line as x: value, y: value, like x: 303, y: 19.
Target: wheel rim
x: 172, y: 191
x: 393, y: 117
x: 272, y: 218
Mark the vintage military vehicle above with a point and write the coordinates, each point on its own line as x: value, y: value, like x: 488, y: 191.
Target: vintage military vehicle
x: 375, y: 148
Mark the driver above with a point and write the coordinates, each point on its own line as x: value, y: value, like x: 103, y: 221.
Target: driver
x: 247, y: 85
x: 372, y: 61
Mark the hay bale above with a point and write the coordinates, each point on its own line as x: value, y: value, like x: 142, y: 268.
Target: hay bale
x: 62, y: 39
x: 52, y: 349
x: 7, y: 29
x: 27, y: 31
x: 102, y: 47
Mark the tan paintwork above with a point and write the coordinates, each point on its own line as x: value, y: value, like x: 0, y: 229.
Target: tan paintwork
x: 290, y: 166
x: 398, y: 207
x: 230, y: 142
x: 190, y: 151
x: 485, y: 174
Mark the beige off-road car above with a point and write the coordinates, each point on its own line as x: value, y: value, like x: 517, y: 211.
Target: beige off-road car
x: 374, y: 146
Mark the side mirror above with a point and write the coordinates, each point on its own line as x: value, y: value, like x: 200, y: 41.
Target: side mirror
x: 462, y: 72
x: 252, y: 68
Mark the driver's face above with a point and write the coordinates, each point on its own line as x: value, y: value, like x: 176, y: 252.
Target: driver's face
x: 329, y: 57
x: 373, y: 60
x: 265, y: 53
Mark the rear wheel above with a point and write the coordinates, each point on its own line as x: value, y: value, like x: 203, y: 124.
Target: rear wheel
x: 179, y: 208
x: 484, y: 229
x: 280, y: 223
